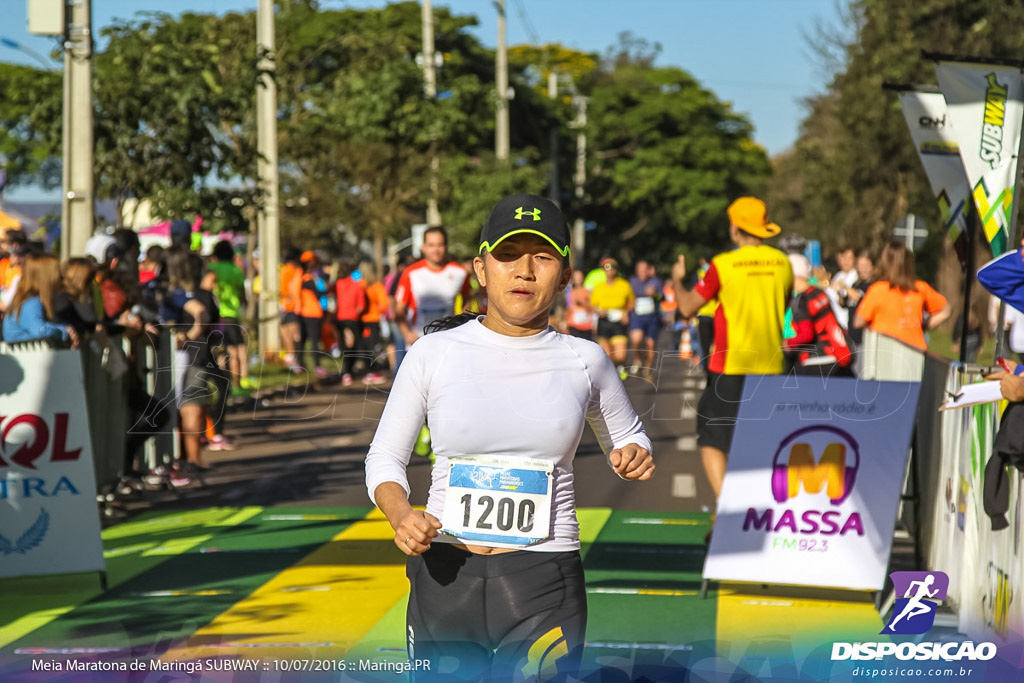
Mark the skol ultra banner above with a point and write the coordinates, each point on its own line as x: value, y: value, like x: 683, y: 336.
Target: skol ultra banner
x: 49, y: 520
x: 931, y: 129
x: 984, y: 103
x: 813, y: 482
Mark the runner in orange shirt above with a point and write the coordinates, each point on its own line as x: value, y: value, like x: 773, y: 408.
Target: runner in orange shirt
x: 376, y: 307
x: 895, y: 305
x: 291, y: 270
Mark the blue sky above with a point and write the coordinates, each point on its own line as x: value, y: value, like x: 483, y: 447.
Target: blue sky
x: 752, y: 53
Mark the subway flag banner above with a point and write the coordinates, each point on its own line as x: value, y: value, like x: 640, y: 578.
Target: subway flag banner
x: 931, y: 129
x: 49, y: 521
x: 985, y: 106
x: 813, y: 482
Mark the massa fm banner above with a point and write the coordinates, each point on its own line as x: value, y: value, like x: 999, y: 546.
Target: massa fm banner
x: 985, y: 107
x: 813, y: 482
x: 49, y: 522
x: 931, y: 129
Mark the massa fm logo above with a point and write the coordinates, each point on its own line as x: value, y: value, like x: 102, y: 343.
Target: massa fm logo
x: 520, y: 213
x: 831, y: 472
x: 796, y: 471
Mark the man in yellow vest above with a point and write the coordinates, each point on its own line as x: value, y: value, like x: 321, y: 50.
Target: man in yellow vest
x: 752, y: 284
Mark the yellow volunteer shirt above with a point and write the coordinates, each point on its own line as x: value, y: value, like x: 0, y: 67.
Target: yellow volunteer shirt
x: 752, y: 285
x: 612, y: 297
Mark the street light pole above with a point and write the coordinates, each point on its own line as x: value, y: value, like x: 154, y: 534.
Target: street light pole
x: 77, y: 212
x: 501, y: 133
x: 15, y: 45
x: 430, y: 90
x: 579, y: 236
x: 267, y: 219
x: 553, y: 192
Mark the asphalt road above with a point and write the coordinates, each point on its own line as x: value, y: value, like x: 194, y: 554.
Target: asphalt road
x: 305, y: 446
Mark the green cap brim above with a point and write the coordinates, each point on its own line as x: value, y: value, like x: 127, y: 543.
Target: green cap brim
x: 564, y: 251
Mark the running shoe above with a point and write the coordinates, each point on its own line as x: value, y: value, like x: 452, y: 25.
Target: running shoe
x: 296, y: 369
x: 346, y: 380
x: 374, y: 378
x: 157, y: 476
x: 219, y: 442
x: 321, y: 372
x: 249, y: 383
x: 177, y: 479
x: 622, y: 373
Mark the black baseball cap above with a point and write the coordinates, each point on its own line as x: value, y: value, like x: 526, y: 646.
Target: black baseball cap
x: 526, y: 214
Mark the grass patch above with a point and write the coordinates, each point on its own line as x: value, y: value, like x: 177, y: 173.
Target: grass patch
x: 940, y: 342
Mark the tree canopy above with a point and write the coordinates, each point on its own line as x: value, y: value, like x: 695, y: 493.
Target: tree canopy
x: 174, y: 111
x: 853, y: 171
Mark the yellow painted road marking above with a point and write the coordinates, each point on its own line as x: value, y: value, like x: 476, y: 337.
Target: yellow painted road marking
x: 365, y: 574
x: 749, y: 614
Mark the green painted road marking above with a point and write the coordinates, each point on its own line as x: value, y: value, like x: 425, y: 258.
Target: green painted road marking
x: 131, y: 548
x: 249, y: 555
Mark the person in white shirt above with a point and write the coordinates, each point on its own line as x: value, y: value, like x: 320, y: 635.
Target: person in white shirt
x: 430, y: 289
x: 496, y: 579
x: 840, y: 284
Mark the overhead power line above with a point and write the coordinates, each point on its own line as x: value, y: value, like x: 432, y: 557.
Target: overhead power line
x: 527, y: 24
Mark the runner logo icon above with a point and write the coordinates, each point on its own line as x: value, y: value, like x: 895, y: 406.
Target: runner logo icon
x: 920, y: 593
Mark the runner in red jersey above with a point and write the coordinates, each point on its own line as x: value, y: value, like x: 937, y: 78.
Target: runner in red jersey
x: 431, y: 288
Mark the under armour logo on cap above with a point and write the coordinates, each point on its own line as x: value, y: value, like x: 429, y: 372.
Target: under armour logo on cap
x: 520, y: 213
x: 511, y: 216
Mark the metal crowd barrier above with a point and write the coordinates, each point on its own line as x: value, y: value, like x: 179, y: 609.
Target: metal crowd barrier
x: 105, y: 371
x: 109, y: 373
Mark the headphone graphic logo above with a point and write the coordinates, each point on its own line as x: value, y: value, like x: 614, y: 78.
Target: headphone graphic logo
x: 801, y: 467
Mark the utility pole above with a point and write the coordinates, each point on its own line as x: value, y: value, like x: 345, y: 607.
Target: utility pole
x: 553, y: 192
x: 430, y: 90
x: 77, y: 212
x: 579, y: 235
x: 501, y: 134
x: 267, y: 219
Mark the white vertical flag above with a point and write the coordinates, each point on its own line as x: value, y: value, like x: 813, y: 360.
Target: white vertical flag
x: 931, y: 129
x: 984, y: 102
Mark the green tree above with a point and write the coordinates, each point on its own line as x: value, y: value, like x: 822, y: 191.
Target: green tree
x: 175, y: 100
x: 854, y: 171
x: 668, y: 158
x: 29, y: 142
x: 358, y: 129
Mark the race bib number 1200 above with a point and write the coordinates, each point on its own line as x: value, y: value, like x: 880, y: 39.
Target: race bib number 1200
x: 495, y: 499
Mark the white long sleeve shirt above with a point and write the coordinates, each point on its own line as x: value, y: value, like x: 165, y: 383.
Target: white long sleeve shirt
x: 485, y: 393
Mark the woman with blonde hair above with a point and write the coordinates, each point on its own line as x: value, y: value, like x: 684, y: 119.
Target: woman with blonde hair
x: 895, y: 305
x: 31, y: 313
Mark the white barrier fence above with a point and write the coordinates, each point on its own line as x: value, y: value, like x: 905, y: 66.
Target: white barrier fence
x: 49, y: 523
x: 73, y: 424
x: 985, y: 567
